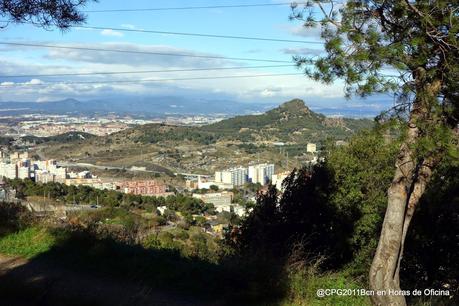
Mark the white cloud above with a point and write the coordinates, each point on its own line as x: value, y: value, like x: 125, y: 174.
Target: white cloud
x: 144, y: 56
x: 300, y: 30
x: 302, y: 51
x: 269, y: 89
x: 108, y: 32
x: 128, y: 26
x: 34, y: 82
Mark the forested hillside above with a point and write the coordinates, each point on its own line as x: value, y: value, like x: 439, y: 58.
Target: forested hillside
x: 292, y: 121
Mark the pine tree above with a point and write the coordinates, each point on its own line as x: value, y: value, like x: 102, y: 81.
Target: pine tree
x: 409, y: 48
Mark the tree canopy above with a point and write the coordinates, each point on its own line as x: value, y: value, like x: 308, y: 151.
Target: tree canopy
x: 408, y: 48
x: 43, y: 13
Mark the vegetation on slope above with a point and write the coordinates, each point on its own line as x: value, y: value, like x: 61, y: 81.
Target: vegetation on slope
x: 61, y: 138
x: 321, y: 233
x: 290, y: 122
x: 335, y: 211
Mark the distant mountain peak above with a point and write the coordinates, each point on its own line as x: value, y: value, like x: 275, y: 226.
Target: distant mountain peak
x: 295, y: 105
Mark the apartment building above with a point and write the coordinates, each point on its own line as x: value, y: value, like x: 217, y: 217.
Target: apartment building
x: 235, y: 176
x: 8, y: 170
x: 261, y: 173
x: 147, y: 188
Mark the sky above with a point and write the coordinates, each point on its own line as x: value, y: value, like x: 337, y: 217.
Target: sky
x: 270, y: 22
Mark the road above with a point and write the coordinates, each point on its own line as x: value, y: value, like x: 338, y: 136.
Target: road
x: 87, y: 165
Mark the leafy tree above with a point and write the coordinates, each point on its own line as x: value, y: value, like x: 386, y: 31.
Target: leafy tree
x: 418, y: 39
x: 360, y: 173
x: 433, y: 243
x: 43, y: 13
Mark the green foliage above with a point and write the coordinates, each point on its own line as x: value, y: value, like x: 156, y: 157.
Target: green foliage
x: 336, y: 211
x: 304, y: 283
x: 416, y: 39
x: 361, y: 172
x: 13, y: 217
x: 335, y: 208
x: 69, y: 137
x: 29, y: 242
x: 279, y: 123
x: 432, y: 245
x: 108, y: 198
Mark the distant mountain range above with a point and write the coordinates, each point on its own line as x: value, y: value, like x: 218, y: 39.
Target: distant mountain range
x: 141, y: 107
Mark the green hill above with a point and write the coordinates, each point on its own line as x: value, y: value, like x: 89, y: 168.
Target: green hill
x: 234, y: 141
x: 291, y: 122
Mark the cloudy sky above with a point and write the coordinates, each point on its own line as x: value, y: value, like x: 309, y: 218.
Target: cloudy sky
x: 271, y: 22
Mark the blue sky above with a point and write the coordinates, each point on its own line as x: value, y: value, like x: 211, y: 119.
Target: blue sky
x: 269, y: 22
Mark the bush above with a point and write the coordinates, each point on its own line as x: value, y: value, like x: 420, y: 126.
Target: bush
x: 151, y: 242
x: 13, y: 217
x: 181, y: 234
x: 304, y: 283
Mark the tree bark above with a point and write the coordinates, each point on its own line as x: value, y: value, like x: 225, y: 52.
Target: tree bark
x: 408, y: 185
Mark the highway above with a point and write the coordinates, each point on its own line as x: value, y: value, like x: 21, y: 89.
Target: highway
x: 87, y: 165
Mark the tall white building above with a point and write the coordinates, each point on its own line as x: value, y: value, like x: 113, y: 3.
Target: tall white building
x: 261, y: 173
x: 8, y: 170
x: 23, y: 172
x: 235, y: 176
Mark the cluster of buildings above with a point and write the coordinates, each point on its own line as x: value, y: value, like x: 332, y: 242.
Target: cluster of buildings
x: 234, y: 177
x: 18, y: 165
x: 44, y: 130
x: 222, y: 202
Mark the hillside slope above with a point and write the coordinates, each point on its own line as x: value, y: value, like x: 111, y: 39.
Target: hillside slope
x: 291, y: 122
x: 234, y: 141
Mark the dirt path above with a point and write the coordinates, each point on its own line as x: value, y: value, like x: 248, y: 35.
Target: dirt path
x: 30, y: 283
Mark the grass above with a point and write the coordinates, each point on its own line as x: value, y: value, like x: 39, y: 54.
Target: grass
x: 167, y: 269
x: 304, y: 283
x: 163, y: 269
x: 28, y: 243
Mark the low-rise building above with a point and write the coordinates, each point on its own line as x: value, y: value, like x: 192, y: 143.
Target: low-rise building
x: 311, y: 148
x: 216, y: 198
x: 191, y: 184
x: 206, y: 184
x: 147, y: 188
x: 82, y: 181
x: 105, y: 185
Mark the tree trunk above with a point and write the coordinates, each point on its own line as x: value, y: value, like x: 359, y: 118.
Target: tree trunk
x: 408, y: 185
x: 383, y: 271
